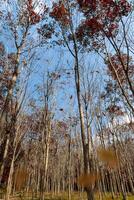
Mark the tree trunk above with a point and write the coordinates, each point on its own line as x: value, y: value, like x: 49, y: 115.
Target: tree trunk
x: 89, y: 191
x: 69, y: 168
x: 9, y: 185
x: 90, y: 194
x: 4, y: 158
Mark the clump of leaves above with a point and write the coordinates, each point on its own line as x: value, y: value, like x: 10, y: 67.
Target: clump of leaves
x: 108, y: 157
x: 88, y: 180
x: 121, y: 66
x: 28, y: 15
x: 60, y: 13
x: 34, y: 17
x: 101, y: 19
x: 21, y: 178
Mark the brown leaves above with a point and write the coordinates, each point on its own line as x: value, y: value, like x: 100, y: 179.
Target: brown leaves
x: 12, y: 57
x: 108, y: 157
x: 2, y: 49
x: 20, y: 178
x: 32, y: 13
x: 88, y: 180
x: 119, y: 65
x: 101, y: 20
x: 87, y: 4
x: 33, y: 17
x: 94, y: 24
x: 114, y: 109
x: 60, y: 13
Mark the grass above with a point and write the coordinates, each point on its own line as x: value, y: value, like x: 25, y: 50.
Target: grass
x: 64, y: 196
x: 77, y: 196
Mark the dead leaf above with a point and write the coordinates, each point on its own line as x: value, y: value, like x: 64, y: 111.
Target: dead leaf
x: 108, y: 156
x: 87, y: 180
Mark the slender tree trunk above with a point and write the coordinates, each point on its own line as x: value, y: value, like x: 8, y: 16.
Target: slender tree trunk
x: 69, y: 168
x: 89, y: 190
x: 4, y: 157
x: 10, y: 178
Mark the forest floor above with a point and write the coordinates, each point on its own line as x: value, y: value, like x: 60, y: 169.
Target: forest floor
x: 64, y: 196
x: 78, y: 196
x: 74, y: 196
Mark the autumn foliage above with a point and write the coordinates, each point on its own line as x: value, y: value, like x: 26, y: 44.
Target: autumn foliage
x: 67, y: 114
x: 34, y: 18
x: 101, y: 18
x: 60, y: 13
x: 120, y: 65
x: 87, y: 180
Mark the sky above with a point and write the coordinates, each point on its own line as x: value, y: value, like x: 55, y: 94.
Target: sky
x: 48, y: 60
x: 40, y: 2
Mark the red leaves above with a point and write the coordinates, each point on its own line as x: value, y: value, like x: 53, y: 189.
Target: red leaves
x: 125, y: 7
x: 2, y: 49
x: 106, y: 3
x: 102, y: 17
x: 90, y: 26
x: 117, y: 66
x: 93, y: 24
x: 94, y: 4
x: 114, y: 109
x: 112, y: 30
x: 60, y: 13
x: 86, y: 3
x: 33, y: 17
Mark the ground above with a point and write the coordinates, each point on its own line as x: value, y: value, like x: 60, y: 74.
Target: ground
x: 76, y: 196
x: 64, y: 196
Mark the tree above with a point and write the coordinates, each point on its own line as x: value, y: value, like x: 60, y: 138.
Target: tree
x: 18, y: 26
x: 99, y: 29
